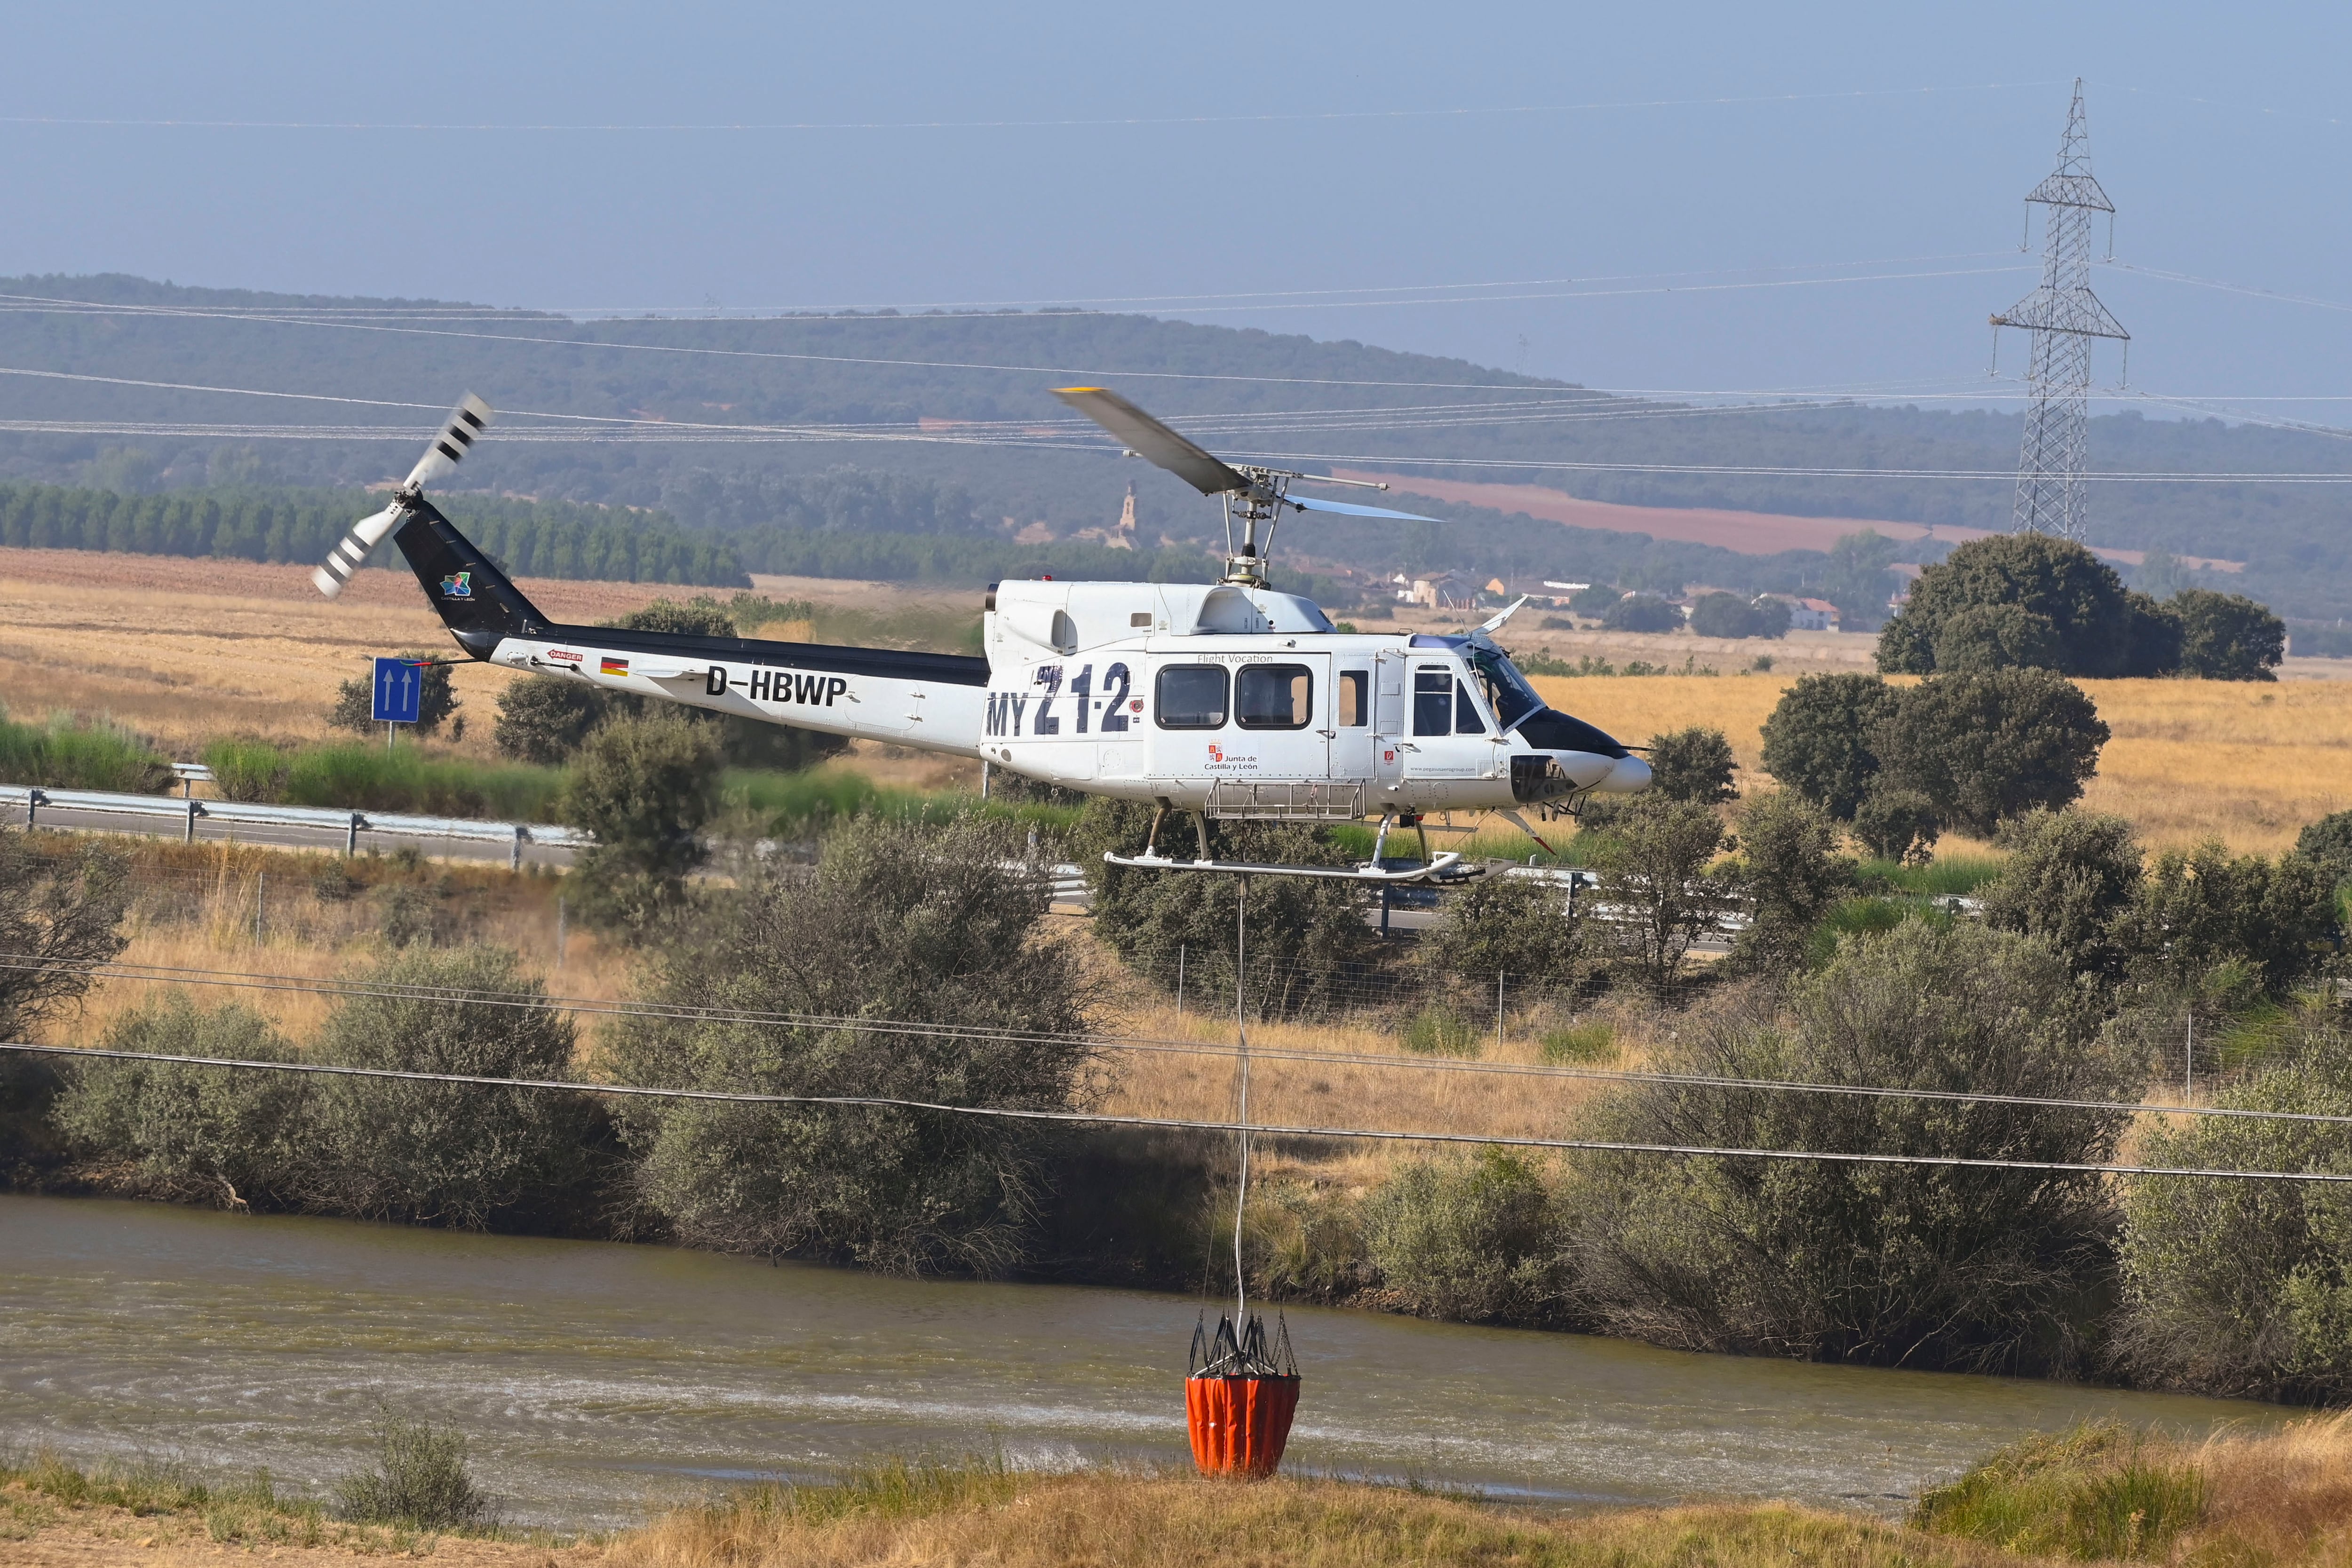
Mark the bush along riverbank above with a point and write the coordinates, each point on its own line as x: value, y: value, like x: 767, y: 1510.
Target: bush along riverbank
x: 2074, y: 992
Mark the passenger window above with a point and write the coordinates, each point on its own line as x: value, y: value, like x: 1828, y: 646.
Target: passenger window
x: 1432, y: 701
x: 1466, y: 713
x: 1274, y: 696
x: 1355, y: 699
x: 1191, y: 696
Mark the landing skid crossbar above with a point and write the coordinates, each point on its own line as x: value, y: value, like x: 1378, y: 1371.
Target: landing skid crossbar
x: 1445, y: 867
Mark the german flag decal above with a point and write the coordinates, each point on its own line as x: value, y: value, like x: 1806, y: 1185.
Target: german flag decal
x: 612, y: 666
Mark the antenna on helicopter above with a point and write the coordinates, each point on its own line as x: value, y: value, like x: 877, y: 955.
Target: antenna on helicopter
x: 1253, y: 496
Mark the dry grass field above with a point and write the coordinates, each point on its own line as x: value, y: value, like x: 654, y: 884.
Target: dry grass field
x: 186, y: 650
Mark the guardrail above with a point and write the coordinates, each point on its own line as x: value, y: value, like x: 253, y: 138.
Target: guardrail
x: 34, y: 800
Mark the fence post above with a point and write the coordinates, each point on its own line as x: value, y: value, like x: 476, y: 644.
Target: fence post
x: 1179, y: 981
x: 514, y: 855
x: 559, y: 931
x: 351, y: 836
x: 189, y: 836
x: 32, y: 808
x: 260, y: 898
x: 1498, y: 1009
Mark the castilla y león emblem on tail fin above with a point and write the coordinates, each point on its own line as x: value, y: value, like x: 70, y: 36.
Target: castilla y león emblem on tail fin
x: 459, y: 585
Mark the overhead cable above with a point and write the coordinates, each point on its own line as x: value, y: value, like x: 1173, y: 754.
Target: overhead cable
x: 686, y: 1012
x: 1179, y: 1124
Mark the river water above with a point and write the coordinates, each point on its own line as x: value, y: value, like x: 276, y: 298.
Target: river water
x: 597, y: 1382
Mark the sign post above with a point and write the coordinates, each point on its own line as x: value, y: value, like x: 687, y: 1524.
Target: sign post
x: 399, y: 691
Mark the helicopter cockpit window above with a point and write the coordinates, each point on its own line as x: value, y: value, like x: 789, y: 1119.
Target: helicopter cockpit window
x: 1466, y: 719
x: 1191, y: 696
x: 1274, y: 696
x: 1507, y: 692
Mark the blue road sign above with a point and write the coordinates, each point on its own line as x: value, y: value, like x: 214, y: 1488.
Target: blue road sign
x: 399, y: 686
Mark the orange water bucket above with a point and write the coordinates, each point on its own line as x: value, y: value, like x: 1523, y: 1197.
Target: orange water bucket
x: 1239, y: 1397
x: 1240, y: 1424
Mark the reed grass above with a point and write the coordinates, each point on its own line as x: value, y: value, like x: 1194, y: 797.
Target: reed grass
x: 73, y: 752
x: 362, y: 777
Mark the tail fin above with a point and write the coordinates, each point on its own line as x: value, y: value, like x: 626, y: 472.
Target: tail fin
x: 473, y: 597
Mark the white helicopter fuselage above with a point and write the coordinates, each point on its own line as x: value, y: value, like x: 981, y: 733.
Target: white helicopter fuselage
x: 1225, y: 699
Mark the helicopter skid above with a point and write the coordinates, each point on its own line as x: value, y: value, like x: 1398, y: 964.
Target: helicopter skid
x: 1443, y: 868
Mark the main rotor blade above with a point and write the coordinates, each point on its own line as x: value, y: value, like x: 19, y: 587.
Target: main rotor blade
x: 1350, y: 509
x: 470, y: 419
x: 1147, y: 438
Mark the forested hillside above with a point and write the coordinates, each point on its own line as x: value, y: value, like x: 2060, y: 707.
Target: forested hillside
x: 943, y: 428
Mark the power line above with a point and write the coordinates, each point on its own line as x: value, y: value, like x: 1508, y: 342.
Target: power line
x: 1309, y: 116
x: 676, y: 1012
x: 1179, y: 1124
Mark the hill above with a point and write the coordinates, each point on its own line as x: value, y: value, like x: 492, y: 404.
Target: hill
x: 942, y: 426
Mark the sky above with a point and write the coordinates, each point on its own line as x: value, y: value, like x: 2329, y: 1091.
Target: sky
x: 1693, y: 198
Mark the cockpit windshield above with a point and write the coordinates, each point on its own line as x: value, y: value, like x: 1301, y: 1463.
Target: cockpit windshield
x: 1507, y: 692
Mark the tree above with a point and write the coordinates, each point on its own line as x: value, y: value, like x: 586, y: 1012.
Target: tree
x: 1986, y: 746
x: 2070, y: 878
x: 1915, y: 1265
x: 2227, y: 636
x: 61, y: 914
x: 1859, y: 580
x: 1896, y: 824
x: 2075, y: 593
x: 1596, y: 598
x: 189, y: 1134
x: 1817, y: 741
x: 1642, y: 612
x: 455, y: 1154
x: 1694, y: 764
x: 2204, y: 907
x: 1788, y: 875
x: 1773, y: 618
x: 1655, y: 867
x: 2153, y: 638
x: 643, y: 787
x: 1470, y: 1240
x: 542, y: 719
x: 2245, y: 1288
x: 1996, y: 637
x: 919, y: 924
x: 2328, y: 842
x: 355, y: 699
x: 1725, y: 615
x: 1507, y: 925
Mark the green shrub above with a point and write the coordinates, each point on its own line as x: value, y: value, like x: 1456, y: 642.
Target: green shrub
x: 1922, y: 1265
x: 2227, y: 636
x: 354, y: 703
x: 1788, y: 878
x: 1593, y: 1042
x: 71, y: 753
x: 899, y: 921
x: 1817, y: 740
x: 2093, y: 1494
x: 253, y: 771
x: 420, y: 1479
x: 1986, y: 746
x: 2081, y: 604
x: 356, y: 776
x: 1692, y: 764
x: 1515, y: 927
x: 192, y: 1134
x: 1473, y: 1240
x: 2071, y: 878
x: 2245, y: 1288
x: 1654, y: 868
x: 1438, y: 1031
x: 454, y: 1154
x: 2205, y: 907
x: 645, y: 788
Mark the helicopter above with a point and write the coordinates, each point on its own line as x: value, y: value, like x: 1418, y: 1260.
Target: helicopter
x: 1225, y: 701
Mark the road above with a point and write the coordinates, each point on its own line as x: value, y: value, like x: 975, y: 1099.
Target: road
x: 288, y: 835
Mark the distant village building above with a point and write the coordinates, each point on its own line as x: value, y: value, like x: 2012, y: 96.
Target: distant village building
x: 1125, y: 537
x: 1450, y: 591
x: 1812, y: 615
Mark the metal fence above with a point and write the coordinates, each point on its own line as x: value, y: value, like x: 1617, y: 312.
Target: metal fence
x: 33, y: 799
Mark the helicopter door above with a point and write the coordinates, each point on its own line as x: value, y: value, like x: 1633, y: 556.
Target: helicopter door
x: 1450, y: 738
x: 1282, y: 709
x: 1351, y: 719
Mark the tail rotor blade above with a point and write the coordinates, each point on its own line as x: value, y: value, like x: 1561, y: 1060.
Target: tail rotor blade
x: 470, y: 419
x: 352, y: 550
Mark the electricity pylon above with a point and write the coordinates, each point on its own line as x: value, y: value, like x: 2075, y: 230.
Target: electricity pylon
x: 2063, y: 316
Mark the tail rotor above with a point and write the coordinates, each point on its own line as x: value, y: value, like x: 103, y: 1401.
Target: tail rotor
x: 466, y: 423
